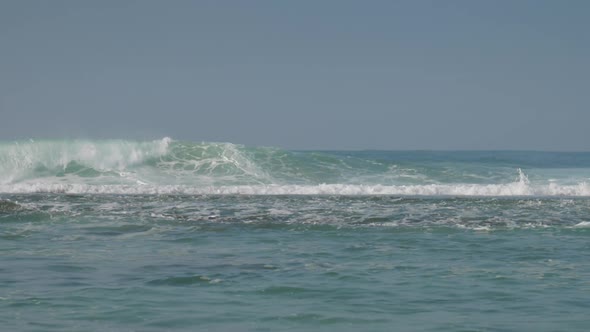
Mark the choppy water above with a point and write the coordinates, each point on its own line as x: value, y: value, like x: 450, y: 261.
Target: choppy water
x: 166, y: 235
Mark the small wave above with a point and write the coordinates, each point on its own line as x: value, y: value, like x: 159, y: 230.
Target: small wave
x: 184, y: 281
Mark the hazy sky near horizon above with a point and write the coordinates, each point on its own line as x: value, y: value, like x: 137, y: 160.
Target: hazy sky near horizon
x: 300, y: 74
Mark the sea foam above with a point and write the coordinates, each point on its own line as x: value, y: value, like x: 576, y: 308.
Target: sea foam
x: 511, y: 189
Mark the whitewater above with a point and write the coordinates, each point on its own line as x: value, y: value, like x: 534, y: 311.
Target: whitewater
x: 169, y: 167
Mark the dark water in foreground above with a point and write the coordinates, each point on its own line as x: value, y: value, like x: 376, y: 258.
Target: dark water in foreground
x: 295, y: 262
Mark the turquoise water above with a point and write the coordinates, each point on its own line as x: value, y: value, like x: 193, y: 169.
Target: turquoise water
x: 166, y: 235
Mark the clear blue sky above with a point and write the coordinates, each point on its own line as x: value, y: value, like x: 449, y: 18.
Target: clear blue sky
x: 300, y: 74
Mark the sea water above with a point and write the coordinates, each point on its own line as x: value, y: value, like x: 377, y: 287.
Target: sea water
x: 166, y: 235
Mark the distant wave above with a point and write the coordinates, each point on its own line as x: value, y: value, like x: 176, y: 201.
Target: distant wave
x: 166, y: 166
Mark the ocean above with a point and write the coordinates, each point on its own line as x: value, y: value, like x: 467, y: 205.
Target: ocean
x: 165, y: 235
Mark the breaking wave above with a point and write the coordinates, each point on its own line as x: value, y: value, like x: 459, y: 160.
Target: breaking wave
x: 174, y: 167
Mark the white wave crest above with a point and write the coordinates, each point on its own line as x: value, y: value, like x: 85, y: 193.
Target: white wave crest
x: 17, y: 159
